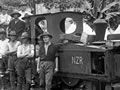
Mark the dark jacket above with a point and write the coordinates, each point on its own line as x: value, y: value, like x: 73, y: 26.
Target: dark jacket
x: 51, y: 53
x: 19, y: 27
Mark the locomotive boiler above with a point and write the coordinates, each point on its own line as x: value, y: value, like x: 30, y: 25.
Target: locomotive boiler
x: 92, y: 66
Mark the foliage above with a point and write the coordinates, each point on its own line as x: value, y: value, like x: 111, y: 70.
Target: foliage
x: 62, y: 4
x: 95, y: 8
x: 14, y: 4
x: 104, y: 9
x: 89, y: 6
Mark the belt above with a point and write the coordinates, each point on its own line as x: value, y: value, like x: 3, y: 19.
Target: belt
x: 46, y: 60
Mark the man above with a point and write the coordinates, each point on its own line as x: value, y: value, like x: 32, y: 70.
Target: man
x: 3, y: 43
x: 4, y: 19
x: 25, y: 54
x: 47, y: 56
x: 12, y: 53
x: 3, y: 56
x: 16, y: 24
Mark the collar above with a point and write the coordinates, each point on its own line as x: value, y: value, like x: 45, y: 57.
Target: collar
x: 48, y: 44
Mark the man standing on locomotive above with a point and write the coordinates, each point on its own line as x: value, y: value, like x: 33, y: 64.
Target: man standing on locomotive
x: 16, y: 24
x: 12, y: 53
x: 25, y: 54
x: 47, y: 54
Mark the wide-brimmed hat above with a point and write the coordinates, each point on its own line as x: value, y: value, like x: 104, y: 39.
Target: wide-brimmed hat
x: 12, y: 33
x: 15, y: 13
x: 2, y: 31
x: 46, y: 34
x: 26, y: 16
x: 25, y: 35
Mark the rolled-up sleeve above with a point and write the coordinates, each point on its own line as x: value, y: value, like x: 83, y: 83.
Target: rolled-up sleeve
x: 31, y: 54
x: 19, y: 52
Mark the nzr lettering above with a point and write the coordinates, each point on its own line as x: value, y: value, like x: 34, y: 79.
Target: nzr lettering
x: 77, y: 60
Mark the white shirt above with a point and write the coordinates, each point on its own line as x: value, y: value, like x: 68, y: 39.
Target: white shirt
x: 46, y: 47
x: 5, y: 19
x: 12, y: 46
x: 3, y: 47
x: 25, y: 50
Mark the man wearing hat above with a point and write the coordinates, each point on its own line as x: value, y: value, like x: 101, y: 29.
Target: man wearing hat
x: 16, y: 24
x: 25, y: 54
x: 12, y: 53
x: 47, y: 54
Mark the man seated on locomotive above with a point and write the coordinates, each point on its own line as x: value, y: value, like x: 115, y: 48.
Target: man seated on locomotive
x: 3, y: 50
x: 47, y: 54
x: 16, y: 24
x: 12, y: 54
x: 25, y: 54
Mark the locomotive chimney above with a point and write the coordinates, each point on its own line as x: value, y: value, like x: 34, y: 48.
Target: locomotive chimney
x: 100, y: 28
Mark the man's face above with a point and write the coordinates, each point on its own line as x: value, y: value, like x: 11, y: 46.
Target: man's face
x: 12, y: 38
x: 46, y: 39
x: 4, y: 11
x: 15, y: 16
x: 24, y: 40
x: 40, y: 42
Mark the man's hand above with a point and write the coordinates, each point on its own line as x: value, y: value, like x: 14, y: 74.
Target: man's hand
x: 56, y: 69
x: 65, y: 41
x: 38, y: 70
x: 117, y: 44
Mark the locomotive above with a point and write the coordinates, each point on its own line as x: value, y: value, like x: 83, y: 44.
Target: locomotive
x: 92, y: 66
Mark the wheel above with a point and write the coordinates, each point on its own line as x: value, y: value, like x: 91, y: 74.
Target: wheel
x: 71, y: 82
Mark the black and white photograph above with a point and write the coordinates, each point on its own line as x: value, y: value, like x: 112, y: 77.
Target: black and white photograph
x: 59, y: 44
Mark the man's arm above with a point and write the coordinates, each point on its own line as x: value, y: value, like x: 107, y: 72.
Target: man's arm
x: 20, y: 28
x: 31, y: 53
x: 19, y: 52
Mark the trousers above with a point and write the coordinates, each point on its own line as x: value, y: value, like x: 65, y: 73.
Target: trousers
x: 24, y: 73
x: 11, y: 68
x: 46, y: 74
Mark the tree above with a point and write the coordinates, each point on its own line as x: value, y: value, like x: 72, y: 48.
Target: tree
x: 102, y: 9
x: 15, y: 4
